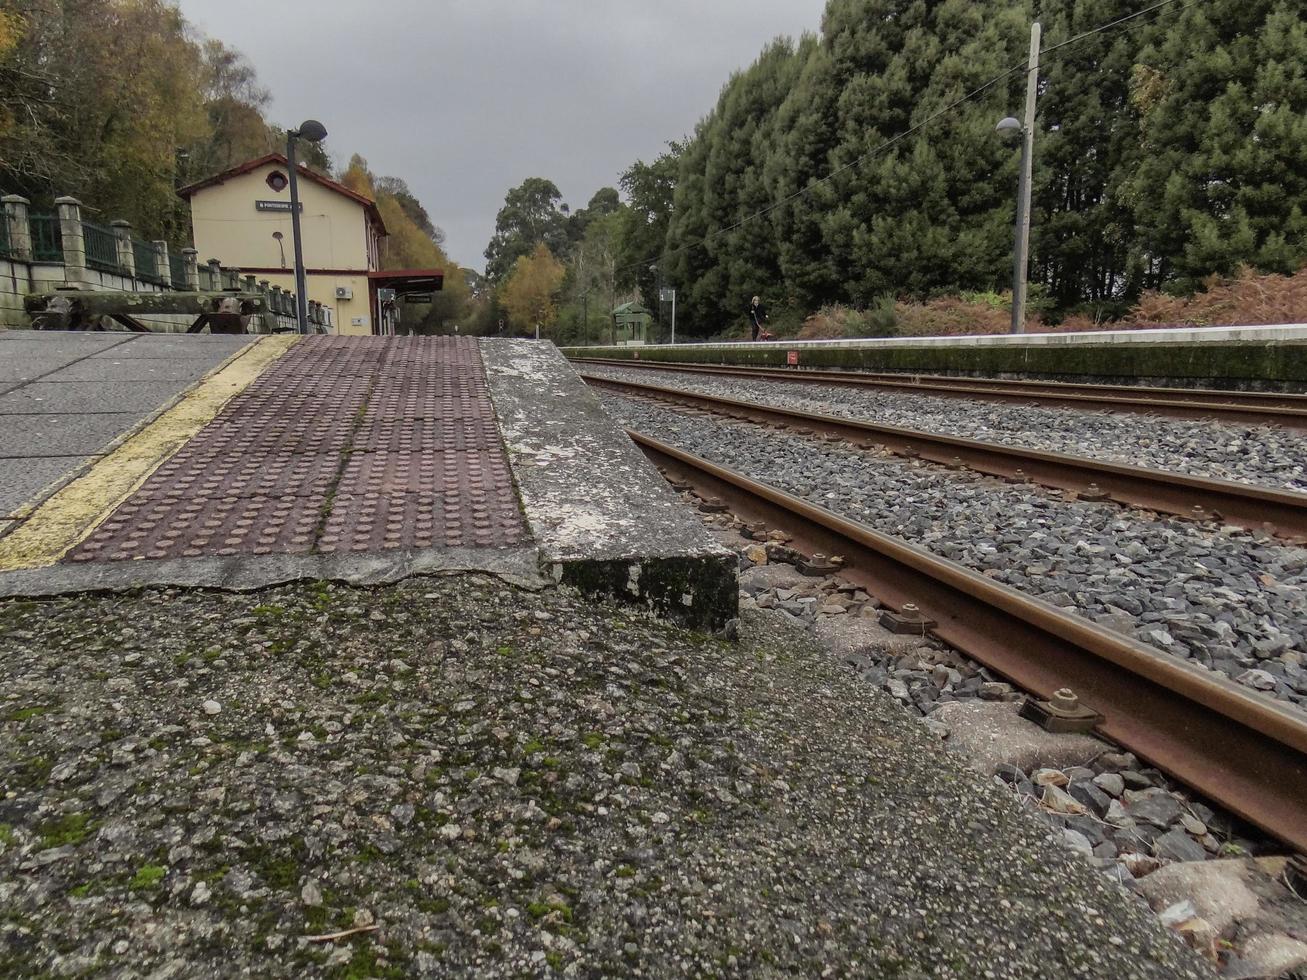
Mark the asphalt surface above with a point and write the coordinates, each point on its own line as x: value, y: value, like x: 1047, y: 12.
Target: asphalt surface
x: 455, y: 777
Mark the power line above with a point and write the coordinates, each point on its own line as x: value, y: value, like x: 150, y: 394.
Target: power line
x: 1110, y: 24
x: 877, y: 150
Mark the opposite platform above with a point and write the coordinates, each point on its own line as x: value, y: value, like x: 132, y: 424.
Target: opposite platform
x: 368, y: 459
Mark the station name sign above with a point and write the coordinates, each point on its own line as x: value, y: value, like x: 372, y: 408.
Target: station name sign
x: 275, y: 206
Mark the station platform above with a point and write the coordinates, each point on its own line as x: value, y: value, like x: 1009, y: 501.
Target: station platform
x: 1252, y: 358
x: 243, y: 462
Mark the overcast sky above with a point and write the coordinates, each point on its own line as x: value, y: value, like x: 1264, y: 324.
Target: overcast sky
x: 466, y: 99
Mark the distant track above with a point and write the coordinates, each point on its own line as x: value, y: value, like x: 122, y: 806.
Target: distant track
x: 1246, y: 407
x: 1244, y: 751
x: 1280, y: 512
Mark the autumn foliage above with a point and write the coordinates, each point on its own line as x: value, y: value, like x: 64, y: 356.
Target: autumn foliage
x: 531, y: 293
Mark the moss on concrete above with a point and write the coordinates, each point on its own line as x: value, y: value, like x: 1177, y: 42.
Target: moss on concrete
x: 1247, y: 365
x: 701, y: 592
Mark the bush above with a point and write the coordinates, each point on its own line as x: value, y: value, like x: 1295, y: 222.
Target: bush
x: 836, y: 321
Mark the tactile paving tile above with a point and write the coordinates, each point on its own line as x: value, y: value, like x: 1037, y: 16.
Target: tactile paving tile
x: 266, y: 474
x: 194, y: 527
x: 345, y: 445
x: 475, y: 518
x: 439, y: 435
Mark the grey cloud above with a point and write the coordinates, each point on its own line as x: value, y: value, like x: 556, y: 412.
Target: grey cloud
x: 465, y: 100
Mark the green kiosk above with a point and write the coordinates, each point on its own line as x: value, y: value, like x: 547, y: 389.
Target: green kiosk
x: 631, y: 325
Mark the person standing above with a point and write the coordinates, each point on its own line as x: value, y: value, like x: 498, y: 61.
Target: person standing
x: 757, y: 317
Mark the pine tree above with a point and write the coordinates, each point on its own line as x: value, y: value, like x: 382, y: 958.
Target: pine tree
x: 1222, y: 180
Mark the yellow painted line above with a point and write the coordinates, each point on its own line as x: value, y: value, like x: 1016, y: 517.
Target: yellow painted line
x: 69, y: 515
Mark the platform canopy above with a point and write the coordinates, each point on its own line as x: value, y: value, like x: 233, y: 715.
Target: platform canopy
x: 407, y: 280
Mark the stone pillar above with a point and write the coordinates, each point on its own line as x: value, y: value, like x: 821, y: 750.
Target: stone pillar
x: 74, y: 240
x: 231, y: 278
x: 20, y: 232
x: 191, y: 261
x: 250, y: 285
x: 215, y: 274
x: 122, y: 230
x: 163, y: 268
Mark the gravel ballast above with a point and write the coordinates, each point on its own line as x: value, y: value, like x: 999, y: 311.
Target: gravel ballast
x: 1264, y: 455
x: 459, y: 777
x: 1228, y: 599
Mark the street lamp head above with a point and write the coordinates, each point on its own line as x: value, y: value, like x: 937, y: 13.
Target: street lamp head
x: 1008, y: 127
x: 311, y: 130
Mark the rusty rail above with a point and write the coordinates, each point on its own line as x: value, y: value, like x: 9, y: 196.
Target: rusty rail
x: 1244, y: 751
x: 1249, y: 407
x: 1280, y: 512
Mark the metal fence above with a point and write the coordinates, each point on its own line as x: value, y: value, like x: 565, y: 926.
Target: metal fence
x: 101, y: 248
x: 147, y: 261
x: 47, y: 238
x: 177, y: 266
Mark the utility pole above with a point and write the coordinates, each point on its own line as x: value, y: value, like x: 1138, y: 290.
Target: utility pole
x: 314, y: 132
x: 585, y: 317
x: 1021, y: 260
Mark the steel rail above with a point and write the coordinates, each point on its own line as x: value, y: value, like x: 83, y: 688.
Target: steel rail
x: 1244, y: 751
x: 1279, y: 512
x: 1257, y: 408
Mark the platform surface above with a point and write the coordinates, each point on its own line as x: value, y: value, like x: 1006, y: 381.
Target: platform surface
x: 66, y: 398
x: 362, y: 459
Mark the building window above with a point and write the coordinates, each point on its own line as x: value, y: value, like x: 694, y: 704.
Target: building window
x: 277, y: 181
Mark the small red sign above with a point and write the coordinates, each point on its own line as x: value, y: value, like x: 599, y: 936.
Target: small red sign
x: 791, y: 357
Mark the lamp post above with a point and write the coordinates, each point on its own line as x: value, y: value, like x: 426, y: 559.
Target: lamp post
x: 1009, y: 126
x: 314, y: 132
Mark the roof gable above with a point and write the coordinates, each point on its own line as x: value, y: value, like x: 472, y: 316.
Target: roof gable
x: 249, y: 166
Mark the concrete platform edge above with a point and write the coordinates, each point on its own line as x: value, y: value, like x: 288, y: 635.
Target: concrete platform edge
x: 243, y: 573
x: 601, y: 515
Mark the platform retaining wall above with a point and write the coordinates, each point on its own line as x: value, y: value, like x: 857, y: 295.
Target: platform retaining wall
x: 1235, y: 365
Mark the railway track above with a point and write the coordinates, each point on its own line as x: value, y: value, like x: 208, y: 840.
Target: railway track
x: 1254, y: 408
x: 1245, y: 752
x: 1280, y: 512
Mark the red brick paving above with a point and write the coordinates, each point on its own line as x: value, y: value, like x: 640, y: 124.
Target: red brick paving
x: 344, y: 445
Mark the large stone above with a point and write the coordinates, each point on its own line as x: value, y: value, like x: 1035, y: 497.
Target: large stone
x: 1154, y: 806
x: 989, y: 733
x: 1110, y: 783
x: 1176, y: 845
x: 1237, y: 893
x: 1090, y: 796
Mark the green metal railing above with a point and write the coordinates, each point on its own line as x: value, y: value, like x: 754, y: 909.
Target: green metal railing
x: 101, y: 248
x: 47, y: 238
x: 177, y: 266
x: 147, y: 255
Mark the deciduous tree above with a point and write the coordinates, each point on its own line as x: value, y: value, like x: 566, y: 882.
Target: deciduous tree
x: 533, y: 214
x: 531, y: 292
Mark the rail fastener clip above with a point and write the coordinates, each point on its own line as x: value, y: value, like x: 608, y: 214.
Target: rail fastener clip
x: 907, y: 620
x: 1063, y: 712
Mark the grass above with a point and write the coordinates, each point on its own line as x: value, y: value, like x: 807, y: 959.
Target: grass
x: 72, y: 828
x: 147, y: 876
x: 34, y: 711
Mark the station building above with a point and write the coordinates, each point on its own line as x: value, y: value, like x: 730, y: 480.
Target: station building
x: 243, y: 216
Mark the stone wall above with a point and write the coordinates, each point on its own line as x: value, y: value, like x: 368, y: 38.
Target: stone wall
x: 22, y: 274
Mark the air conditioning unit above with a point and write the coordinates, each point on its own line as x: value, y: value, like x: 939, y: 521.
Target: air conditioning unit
x: 344, y: 292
